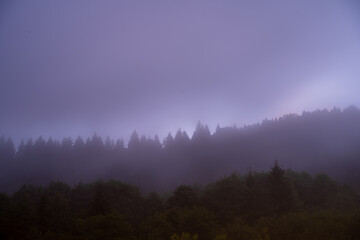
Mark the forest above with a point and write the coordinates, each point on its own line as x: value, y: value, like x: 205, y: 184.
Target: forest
x: 316, y: 142
x: 276, y: 204
x: 293, y: 177
x: 180, y: 120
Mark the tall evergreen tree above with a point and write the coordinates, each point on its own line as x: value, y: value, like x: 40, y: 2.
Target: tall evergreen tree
x: 134, y: 141
x: 280, y: 189
x: 168, y: 141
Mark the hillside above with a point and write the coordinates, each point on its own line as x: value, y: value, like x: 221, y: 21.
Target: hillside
x: 276, y: 204
x: 316, y: 142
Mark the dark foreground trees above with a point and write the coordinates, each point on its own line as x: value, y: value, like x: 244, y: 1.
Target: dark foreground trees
x: 277, y: 205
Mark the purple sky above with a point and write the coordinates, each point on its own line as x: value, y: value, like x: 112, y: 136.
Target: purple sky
x: 71, y: 68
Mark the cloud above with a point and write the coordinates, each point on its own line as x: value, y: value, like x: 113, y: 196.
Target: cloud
x: 111, y: 67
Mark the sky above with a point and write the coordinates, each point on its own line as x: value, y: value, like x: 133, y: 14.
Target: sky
x: 70, y: 68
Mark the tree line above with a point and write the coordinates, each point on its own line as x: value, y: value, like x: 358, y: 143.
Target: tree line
x: 320, y: 141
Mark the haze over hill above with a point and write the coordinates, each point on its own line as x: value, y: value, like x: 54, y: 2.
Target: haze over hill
x: 321, y: 141
x: 75, y: 72
x: 70, y: 68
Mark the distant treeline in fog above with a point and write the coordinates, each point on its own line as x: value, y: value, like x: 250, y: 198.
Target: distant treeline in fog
x: 318, y: 142
x: 276, y: 204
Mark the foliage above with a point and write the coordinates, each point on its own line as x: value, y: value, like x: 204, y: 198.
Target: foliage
x: 321, y: 141
x: 184, y: 236
x: 184, y: 196
x: 109, y: 226
x: 228, y: 209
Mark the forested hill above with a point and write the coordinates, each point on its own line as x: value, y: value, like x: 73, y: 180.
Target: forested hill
x: 276, y: 204
x: 321, y: 141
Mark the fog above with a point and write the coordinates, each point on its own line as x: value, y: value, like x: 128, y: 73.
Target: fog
x: 317, y: 142
x: 70, y: 68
